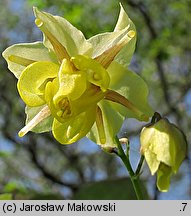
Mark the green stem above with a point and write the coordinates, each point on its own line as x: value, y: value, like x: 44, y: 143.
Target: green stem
x: 133, y: 176
x: 127, y: 149
x: 140, y: 165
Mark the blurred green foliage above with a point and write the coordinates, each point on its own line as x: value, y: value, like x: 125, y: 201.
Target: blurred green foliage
x: 119, y: 189
x: 37, y: 167
x: 6, y: 196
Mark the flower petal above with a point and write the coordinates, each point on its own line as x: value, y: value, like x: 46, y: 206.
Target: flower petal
x: 167, y: 142
x: 112, y: 122
x: 103, y: 42
x: 126, y: 53
x: 152, y: 161
x: 50, y: 90
x: 71, y: 84
x: 74, y: 128
x: 118, y: 45
x: 123, y: 20
x: 163, y: 177
x: 90, y: 98
x: 96, y: 74
x: 132, y: 87
x: 32, y: 82
x: 70, y: 37
x: 43, y: 126
x: 21, y: 55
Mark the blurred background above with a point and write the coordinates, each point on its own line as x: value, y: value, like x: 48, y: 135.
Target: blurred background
x: 36, y: 166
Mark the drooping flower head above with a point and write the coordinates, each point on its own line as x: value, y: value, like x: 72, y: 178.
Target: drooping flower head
x: 77, y: 87
x: 164, y: 147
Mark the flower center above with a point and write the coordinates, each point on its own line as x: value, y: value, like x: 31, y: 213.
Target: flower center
x: 64, y: 108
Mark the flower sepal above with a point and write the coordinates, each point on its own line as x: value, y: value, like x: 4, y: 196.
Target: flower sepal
x: 164, y: 146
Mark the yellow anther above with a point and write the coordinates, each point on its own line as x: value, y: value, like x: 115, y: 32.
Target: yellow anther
x: 64, y: 108
x: 59, y: 113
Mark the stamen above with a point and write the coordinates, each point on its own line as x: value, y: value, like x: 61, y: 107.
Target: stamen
x: 59, y: 49
x: 66, y: 112
x: 108, y: 56
x: 116, y: 97
x: 100, y: 125
x: 64, y: 108
x: 44, y: 113
x: 59, y: 113
x: 62, y: 103
x: 20, y: 60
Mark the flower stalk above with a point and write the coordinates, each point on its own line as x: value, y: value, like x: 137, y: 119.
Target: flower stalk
x: 134, y: 176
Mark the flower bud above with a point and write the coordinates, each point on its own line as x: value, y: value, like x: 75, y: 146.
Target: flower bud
x: 109, y: 149
x: 164, y: 147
